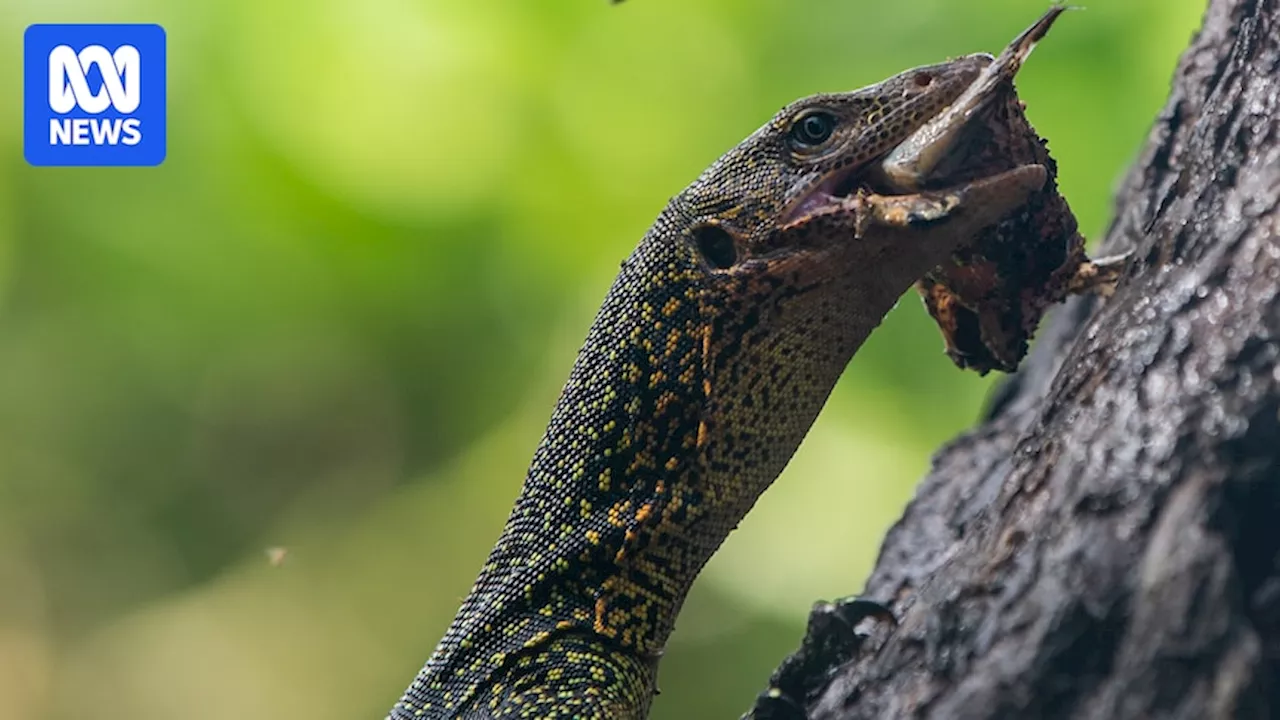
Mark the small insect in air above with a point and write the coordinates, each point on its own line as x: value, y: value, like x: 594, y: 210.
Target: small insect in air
x: 276, y: 555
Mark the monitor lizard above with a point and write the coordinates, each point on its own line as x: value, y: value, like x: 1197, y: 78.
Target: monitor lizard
x: 716, y: 347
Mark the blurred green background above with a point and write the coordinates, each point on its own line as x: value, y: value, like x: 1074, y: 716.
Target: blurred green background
x: 336, y: 319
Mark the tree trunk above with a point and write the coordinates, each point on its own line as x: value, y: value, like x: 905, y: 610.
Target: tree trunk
x: 1106, y: 543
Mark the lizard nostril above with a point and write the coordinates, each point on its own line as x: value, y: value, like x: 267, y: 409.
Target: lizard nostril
x: 922, y: 79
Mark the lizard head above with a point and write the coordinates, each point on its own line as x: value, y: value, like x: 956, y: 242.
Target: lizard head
x: 807, y: 158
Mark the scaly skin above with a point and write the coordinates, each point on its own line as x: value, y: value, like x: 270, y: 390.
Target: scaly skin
x: 716, y: 347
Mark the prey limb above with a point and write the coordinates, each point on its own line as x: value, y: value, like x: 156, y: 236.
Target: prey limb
x: 1099, y: 275
x: 963, y: 209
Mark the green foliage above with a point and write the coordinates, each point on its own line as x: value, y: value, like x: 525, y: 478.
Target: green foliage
x: 336, y: 318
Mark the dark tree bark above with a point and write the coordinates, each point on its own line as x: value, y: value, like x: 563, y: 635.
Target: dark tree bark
x: 1106, y: 543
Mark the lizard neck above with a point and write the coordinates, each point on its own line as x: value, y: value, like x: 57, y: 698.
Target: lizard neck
x: 612, y: 472
x: 678, y: 413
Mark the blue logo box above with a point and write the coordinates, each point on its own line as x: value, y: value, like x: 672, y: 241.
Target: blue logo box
x: 94, y: 95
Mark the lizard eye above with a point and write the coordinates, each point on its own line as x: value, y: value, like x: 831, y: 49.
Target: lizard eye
x: 716, y: 246
x: 812, y: 129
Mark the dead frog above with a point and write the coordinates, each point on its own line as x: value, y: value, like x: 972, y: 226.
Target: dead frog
x: 991, y: 297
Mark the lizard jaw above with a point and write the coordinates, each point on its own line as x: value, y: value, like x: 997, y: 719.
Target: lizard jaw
x: 831, y: 194
x: 826, y: 194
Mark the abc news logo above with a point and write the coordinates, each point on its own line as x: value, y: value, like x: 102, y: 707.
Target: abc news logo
x: 94, y: 95
x: 69, y: 89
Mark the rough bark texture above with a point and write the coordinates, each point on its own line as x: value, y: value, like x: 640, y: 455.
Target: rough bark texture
x: 1106, y: 544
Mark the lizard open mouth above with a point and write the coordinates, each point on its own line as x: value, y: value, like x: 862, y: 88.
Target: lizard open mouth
x: 828, y: 193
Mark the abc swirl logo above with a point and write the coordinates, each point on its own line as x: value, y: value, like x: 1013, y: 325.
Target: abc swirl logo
x: 94, y: 95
